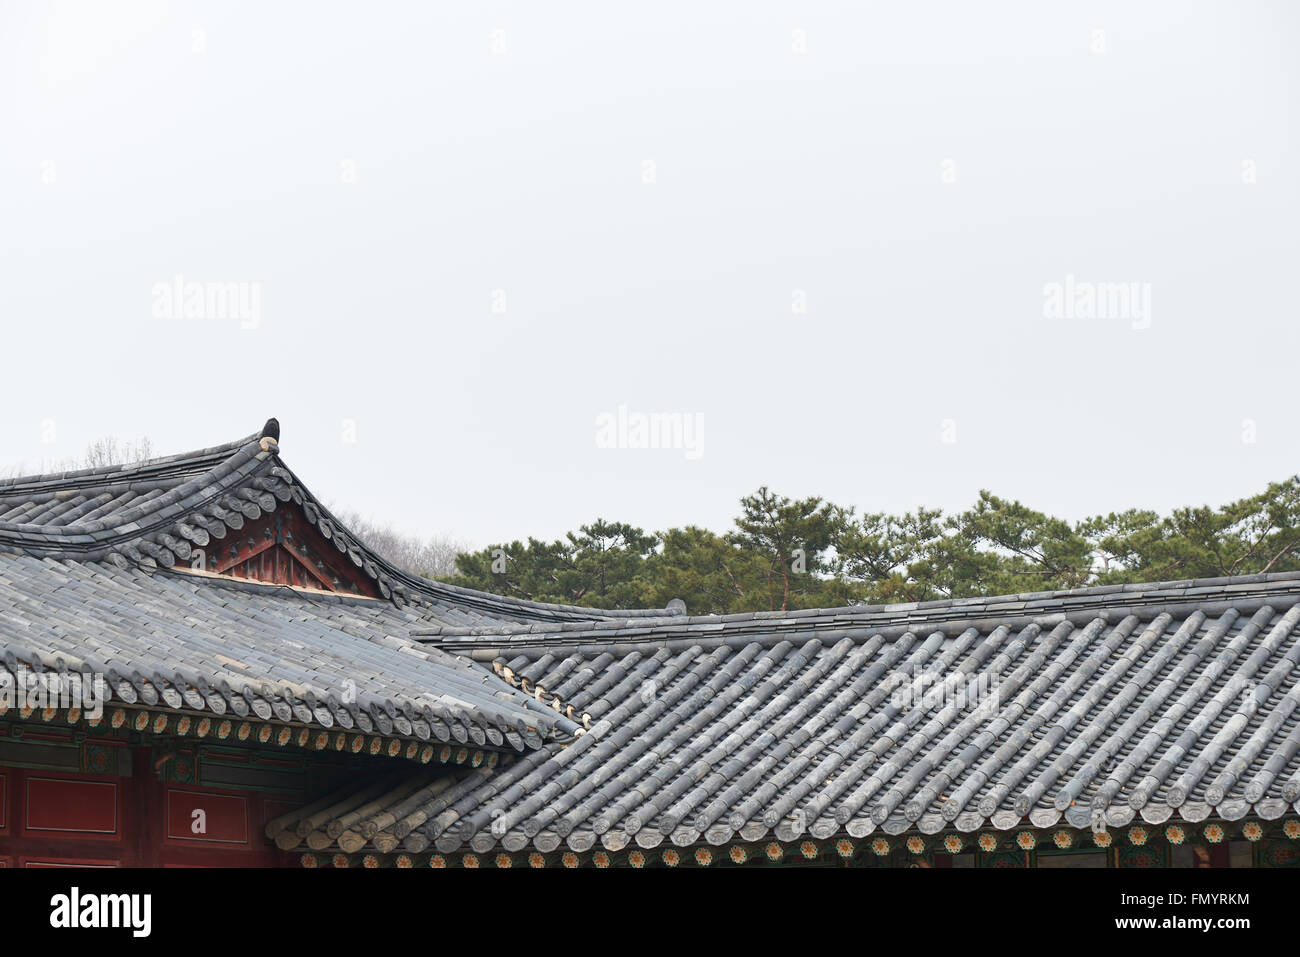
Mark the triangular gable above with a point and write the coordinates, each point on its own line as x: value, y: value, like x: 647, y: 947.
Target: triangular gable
x: 283, y: 548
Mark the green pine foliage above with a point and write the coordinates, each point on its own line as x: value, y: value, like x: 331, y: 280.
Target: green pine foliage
x: 785, y: 554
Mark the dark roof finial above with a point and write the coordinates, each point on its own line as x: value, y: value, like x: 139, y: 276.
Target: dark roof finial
x: 271, y: 429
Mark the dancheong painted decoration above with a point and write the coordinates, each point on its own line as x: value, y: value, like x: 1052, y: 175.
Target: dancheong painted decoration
x: 200, y: 665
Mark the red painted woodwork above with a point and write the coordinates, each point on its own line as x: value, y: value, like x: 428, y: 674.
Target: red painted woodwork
x: 62, y: 804
x: 283, y: 548
x: 4, y: 803
x: 149, y: 821
x: 225, y: 817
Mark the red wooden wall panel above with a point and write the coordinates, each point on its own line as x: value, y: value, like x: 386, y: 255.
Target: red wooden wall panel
x: 84, y: 807
x: 224, y: 817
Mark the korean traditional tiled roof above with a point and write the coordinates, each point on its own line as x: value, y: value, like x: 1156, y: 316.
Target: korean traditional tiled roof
x: 652, y: 727
x: 94, y: 578
x: 1083, y: 707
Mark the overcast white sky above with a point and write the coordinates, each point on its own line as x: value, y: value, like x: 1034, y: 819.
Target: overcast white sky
x: 916, y: 177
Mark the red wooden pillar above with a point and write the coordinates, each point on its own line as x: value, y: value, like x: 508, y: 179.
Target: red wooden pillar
x: 139, y: 810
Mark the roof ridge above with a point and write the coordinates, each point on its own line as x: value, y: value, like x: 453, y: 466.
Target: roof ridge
x: 1111, y: 598
x: 195, y: 458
